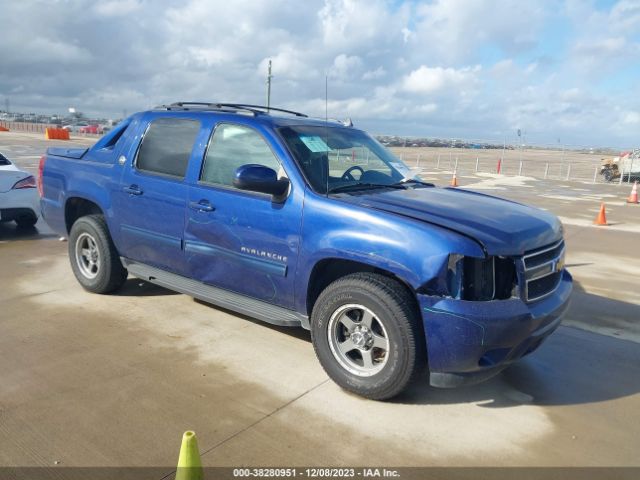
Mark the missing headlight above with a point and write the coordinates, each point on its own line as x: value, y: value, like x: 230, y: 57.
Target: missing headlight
x: 492, y: 278
x: 479, y: 278
x: 505, y: 278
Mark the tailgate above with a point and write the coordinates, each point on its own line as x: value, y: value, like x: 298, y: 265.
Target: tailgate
x: 75, y: 153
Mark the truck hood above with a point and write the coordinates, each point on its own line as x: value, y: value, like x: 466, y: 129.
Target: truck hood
x: 503, y: 227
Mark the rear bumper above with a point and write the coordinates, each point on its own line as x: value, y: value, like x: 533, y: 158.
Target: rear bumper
x: 468, y: 342
x: 16, y: 203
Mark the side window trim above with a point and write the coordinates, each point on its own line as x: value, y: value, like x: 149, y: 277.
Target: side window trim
x: 206, y: 183
x: 153, y: 173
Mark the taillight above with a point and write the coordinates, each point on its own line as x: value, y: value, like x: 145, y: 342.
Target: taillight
x: 40, y: 170
x: 28, y: 182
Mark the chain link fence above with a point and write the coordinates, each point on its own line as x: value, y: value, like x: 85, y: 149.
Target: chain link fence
x: 564, y: 165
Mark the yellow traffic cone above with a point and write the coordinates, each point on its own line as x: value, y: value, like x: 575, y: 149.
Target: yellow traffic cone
x: 189, y: 465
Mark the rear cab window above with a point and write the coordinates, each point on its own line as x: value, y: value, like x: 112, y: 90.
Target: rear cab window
x: 166, y: 146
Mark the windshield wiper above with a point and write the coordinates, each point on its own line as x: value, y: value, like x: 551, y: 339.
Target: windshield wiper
x: 413, y: 180
x: 365, y: 186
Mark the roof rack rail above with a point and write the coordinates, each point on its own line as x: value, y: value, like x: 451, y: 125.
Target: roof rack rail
x: 261, y: 108
x: 227, y: 107
x: 203, y: 106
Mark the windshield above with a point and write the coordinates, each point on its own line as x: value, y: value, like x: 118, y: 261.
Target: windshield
x: 338, y: 158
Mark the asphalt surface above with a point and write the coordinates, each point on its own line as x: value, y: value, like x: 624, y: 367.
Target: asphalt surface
x: 90, y: 380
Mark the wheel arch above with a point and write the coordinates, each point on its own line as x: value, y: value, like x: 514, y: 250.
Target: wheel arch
x: 77, y: 207
x: 328, y: 270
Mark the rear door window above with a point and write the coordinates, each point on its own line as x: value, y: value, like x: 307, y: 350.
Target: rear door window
x: 167, y: 145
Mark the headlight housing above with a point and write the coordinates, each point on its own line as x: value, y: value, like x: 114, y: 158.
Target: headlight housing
x: 481, y: 279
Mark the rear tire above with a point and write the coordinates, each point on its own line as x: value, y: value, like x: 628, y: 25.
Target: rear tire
x: 367, y: 335
x: 94, y: 259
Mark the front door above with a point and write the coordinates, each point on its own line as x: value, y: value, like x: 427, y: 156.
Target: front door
x: 153, y: 197
x: 237, y: 240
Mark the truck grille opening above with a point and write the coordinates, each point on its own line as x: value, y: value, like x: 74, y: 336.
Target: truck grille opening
x: 543, y: 271
x: 544, y: 255
x: 542, y: 286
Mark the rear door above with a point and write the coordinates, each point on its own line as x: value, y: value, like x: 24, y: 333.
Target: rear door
x: 153, y: 195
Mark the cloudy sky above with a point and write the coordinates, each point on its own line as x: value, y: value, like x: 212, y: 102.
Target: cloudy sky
x: 562, y: 71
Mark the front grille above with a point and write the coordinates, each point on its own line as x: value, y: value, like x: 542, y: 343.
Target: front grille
x: 543, y: 255
x: 543, y: 271
x: 542, y: 286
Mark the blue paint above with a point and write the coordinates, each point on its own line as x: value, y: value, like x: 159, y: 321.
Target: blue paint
x: 256, y: 263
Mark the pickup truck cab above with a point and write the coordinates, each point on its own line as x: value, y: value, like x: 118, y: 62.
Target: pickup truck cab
x: 312, y: 223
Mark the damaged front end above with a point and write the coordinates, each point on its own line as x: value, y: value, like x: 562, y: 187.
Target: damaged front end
x: 479, y: 315
x: 474, y: 279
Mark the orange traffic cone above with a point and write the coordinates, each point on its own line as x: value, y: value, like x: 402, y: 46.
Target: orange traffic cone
x: 454, y: 180
x: 633, y: 198
x: 601, y: 219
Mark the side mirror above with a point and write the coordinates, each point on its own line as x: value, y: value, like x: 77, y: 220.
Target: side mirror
x: 258, y: 178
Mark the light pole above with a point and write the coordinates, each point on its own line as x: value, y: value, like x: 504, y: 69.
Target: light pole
x: 269, y: 77
x: 520, y: 142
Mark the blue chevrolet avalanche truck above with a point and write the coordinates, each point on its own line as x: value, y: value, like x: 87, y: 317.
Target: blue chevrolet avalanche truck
x: 312, y: 223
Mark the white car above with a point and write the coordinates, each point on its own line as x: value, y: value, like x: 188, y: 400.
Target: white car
x: 19, y: 200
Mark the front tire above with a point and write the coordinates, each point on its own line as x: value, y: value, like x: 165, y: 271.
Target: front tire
x: 367, y: 336
x: 94, y: 258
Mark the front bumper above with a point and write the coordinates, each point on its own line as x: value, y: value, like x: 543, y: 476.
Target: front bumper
x: 468, y: 342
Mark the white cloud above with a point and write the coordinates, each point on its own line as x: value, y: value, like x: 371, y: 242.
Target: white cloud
x: 116, y: 7
x: 346, y: 67
x: 207, y: 56
x: 451, y: 29
x: 625, y: 15
x: 374, y: 74
x: 434, y: 79
x: 427, y: 108
x: 353, y: 23
x: 290, y: 63
x: 631, y: 118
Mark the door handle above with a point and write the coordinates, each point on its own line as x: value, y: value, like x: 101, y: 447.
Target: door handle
x: 202, y: 206
x: 133, y: 190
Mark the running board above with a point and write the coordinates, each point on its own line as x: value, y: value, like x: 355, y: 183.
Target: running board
x: 223, y: 298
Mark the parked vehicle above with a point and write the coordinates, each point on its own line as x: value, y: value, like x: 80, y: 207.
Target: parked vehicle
x: 19, y: 200
x: 303, y: 222
x: 627, y: 164
x: 92, y: 129
x: 75, y: 127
